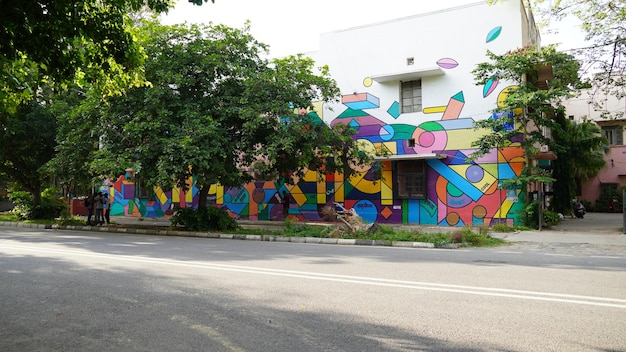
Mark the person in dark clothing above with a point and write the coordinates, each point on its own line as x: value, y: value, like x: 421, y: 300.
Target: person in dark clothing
x: 286, y: 203
x: 89, y: 205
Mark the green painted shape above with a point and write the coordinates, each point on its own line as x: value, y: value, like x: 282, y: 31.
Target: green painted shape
x: 405, y: 215
x: 402, y: 131
x: 351, y: 113
x: 431, y: 126
x: 453, y: 190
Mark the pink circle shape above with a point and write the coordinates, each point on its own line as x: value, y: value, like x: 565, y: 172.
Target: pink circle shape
x: 426, y: 139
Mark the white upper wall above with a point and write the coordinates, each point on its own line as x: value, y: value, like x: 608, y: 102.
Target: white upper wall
x: 459, y: 33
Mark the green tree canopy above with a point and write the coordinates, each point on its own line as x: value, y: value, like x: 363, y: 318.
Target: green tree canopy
x: 27, y: 142
x: 603, y: 60
x: 62, y: 40
x: 215, y: 110
x: 531, y: 107
x: 580, y: 148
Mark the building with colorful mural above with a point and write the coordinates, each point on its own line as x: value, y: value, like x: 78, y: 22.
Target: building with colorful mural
x: 408, y: 90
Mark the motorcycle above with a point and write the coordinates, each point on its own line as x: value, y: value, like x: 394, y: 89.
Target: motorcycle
x: 579, y: 210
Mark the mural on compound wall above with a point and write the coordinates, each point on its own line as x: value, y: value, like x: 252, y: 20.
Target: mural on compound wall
x: 458, y: 192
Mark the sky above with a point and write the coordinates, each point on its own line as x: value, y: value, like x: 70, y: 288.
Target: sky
x: 294, y: 26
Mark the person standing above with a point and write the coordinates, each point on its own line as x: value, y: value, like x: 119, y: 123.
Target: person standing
x: 98, y: 207
x: 286, y: 203
x: 89, y: 205
x: 106, y: 205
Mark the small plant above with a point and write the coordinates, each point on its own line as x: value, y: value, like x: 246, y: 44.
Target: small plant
x: 551, y: 218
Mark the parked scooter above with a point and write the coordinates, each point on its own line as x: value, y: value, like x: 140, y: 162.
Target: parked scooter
x: 579, y: 210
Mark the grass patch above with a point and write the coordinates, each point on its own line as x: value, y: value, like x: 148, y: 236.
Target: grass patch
x: 465, y: 237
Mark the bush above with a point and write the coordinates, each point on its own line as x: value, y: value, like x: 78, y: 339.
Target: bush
x: 204, y: 219
x: 551, y: 218
x: 51, y: 206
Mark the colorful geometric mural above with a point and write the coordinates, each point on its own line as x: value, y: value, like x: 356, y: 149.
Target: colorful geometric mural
x: 458, y: 191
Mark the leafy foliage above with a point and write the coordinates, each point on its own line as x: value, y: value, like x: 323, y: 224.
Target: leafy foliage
x: 203, y: 219
x: 580, y: 148
x: 67, y: 40
x: 27, y: 142
x: 215, y: 111
x: 604, y: 59
x: 530, y: 107
x: 51, y: 205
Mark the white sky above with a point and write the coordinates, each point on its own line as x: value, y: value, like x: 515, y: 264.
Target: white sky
x: 294, y: 26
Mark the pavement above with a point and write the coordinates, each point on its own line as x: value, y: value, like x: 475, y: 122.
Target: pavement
x: 601, y: 229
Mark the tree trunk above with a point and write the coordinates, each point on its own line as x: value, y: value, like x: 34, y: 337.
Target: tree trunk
x: 204, y: 192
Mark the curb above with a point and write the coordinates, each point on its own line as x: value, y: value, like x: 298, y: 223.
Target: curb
x: 266, y: 238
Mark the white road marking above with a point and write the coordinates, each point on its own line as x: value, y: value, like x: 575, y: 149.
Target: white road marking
x: 414, y: 285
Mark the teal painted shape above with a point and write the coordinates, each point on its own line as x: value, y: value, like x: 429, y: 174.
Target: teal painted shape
x: 394, y: 110
x: 459, y: 96
x: 427, y: 217
x: 351, y: 113
x: 494, y: 33
x: 117, y: 209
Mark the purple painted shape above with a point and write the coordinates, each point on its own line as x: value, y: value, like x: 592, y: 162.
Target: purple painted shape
x: 128, y: 190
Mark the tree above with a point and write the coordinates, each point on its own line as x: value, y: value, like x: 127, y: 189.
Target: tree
x: 531, y: 107
x: 27, y: 141
x: 77, y: 139
x: 580, y: 148
x: 62, y: 40
x: 214, y: 110
x: 604, y: 59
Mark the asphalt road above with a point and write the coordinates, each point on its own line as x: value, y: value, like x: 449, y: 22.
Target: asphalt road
x: 81, y: 291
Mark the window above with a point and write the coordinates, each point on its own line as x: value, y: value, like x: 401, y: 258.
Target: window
x: 411, y: 179
x: 411, y: 96
x: 614, y: 134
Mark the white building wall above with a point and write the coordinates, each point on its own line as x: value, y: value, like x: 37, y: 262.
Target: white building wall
x: 458, y: 33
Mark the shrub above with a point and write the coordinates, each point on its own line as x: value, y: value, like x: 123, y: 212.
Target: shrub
x: 51, y: 207
x: 203, y: 219
x: 551, y: 218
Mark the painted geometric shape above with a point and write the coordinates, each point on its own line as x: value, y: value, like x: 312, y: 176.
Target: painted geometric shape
x: 394, y: 110
x: 368, y: 81
x: 366, y: 210
x: 434, y: 109
x: 386, y: 212
x: 490, y: 86
x: 360, y: 101
x: 456, y: 179
x: 454, y: 107
x: 474, y: 173
x: 447, y: 63
x: 429, y: 137
x: 493, y: 34
x: 386, y: 132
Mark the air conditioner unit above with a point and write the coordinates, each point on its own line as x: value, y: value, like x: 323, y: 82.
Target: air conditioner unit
x: 544, y: 149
